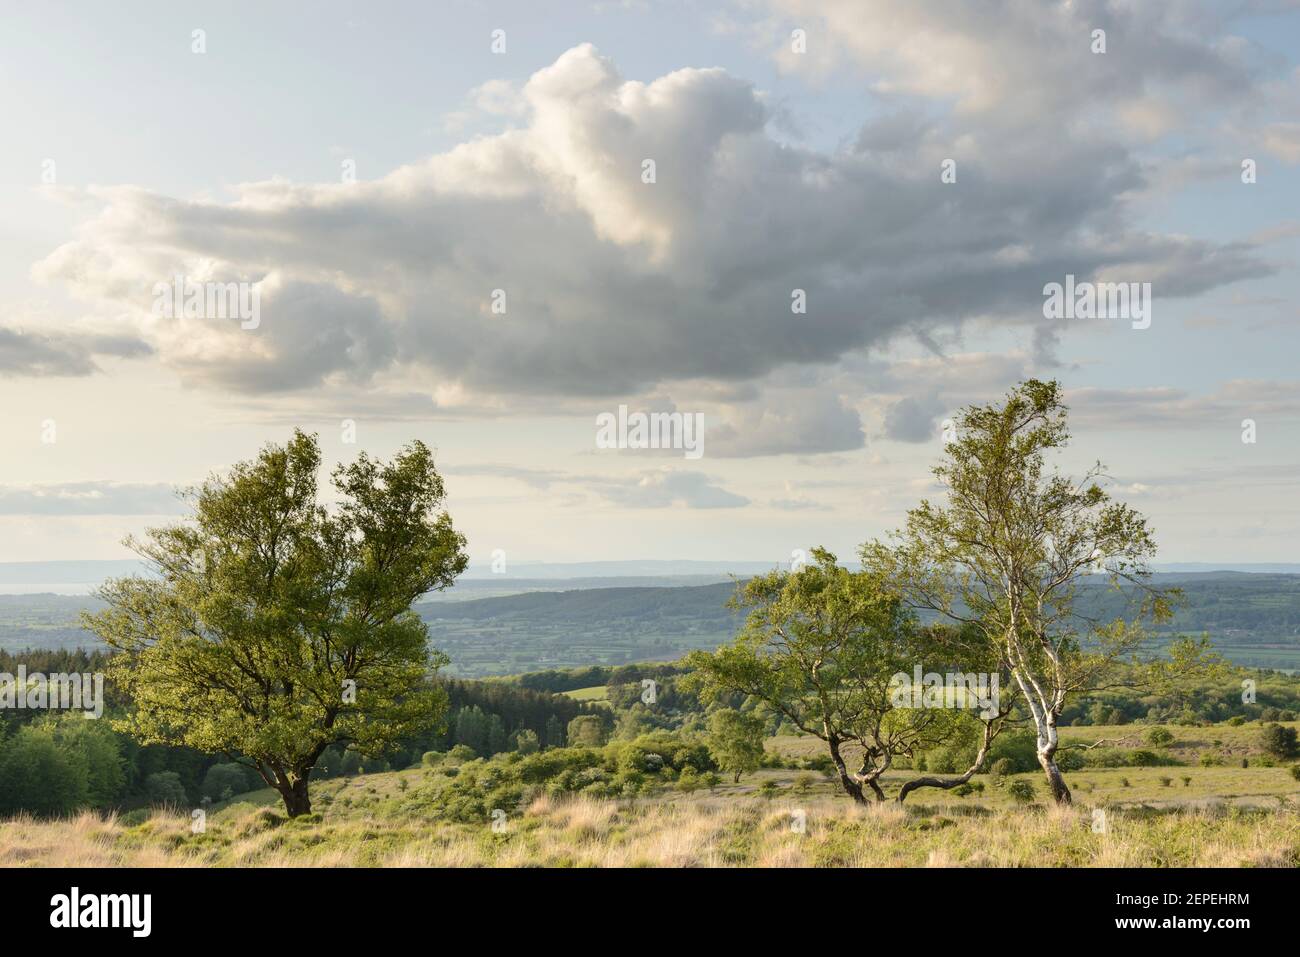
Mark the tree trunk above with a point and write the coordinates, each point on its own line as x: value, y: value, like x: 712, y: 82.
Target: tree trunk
x: 852, y: 787
x: 296, y: 799
x: 1055, y: 780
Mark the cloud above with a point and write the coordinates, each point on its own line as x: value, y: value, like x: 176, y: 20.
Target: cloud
x: 661, y: 489
x: 913, y: 419
x: 787, y: 422
x: 1161, y: 407
x: 61, y: 353
x: 613, y: 286
x: 90, y: 498
x: 645, y: 489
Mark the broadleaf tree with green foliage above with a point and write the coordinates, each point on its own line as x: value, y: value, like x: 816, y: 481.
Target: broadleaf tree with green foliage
x: 736, y: 741
x: 1005, y: 555
x: 275, y: 626
x: 822, y: 646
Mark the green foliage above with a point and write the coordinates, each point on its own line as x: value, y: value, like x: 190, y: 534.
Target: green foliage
x: 587, y: 731
x: 820, y: 647
x: 1005, y: 553
x: 1159, y: 737
x: 39, y: 776
x: 164, y: 788
x: 275, y: 627
x: 1278, y: 740
x: 95, y: 748
x: 736, y: 741
x: 1021, y: 791
x: 224, y: 781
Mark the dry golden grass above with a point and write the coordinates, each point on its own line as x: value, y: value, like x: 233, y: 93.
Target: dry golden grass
x: 586, y: 832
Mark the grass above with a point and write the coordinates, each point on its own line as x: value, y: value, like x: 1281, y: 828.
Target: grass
x: 1186, y: 815
x: 817, y: 831
x: 593, y: 695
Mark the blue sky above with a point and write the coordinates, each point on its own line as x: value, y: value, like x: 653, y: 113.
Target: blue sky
x: 521, y: 170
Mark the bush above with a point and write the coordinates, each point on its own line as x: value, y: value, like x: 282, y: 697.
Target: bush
x: 431, y: 759
x: 1279, y: 741
x: 164, y: 788
x: 223, y: 778
x: 1022, y: 791
x: 1071, y: 760
x: 999, y: 770
x: 1159, y: 736
x: 1295, y: 771
x: 1210, y: 760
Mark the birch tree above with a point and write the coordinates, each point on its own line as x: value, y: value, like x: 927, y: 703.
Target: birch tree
x: 1007, y: 551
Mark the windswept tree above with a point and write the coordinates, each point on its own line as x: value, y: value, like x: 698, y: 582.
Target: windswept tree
x: 822, y: 646
x: 1007, y: 552
x: 276, y: 627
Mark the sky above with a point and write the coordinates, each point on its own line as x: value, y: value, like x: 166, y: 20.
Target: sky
x: 448, y: 218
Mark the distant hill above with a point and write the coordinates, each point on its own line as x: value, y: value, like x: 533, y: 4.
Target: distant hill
x: 1254, y: 618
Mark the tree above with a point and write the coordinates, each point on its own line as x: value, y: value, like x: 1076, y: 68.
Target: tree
x: 1008, y: 551
x: 822, y: 647
x: 586, y: 731
x: 97, y: 750
x: 40, y: 777
x: 555, y: 732
x: 526, y: 741
x: 277, y: 627
x: 164, y: 788
x: 736, y: 741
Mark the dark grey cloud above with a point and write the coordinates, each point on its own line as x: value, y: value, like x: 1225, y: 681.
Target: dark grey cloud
x: 63, y: 353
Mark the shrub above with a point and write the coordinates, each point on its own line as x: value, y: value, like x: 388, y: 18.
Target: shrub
x: 1210, y: 760
x: 1071, y: 760
x: 1279, y: 741
x: 431, y: 759
x: 1295, y: 771
x: 1165, y: 782
x: 1159, y: 736
x: 999, y: 770
x: 1022, y: 791
x: 224, y: 777
x: 164, y: 788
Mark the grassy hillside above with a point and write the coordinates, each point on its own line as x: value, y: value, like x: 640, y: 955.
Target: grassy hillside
x: 787, y: 816
x: 364, y: 822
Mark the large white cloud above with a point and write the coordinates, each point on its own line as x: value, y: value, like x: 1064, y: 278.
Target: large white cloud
x: 615, y: 287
